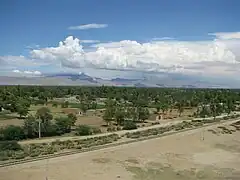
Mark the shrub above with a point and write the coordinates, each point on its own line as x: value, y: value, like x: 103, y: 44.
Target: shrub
x: 83, y: 130
x: 40, y: 101
x: 225, y: 118
x: 129, y: 125
x: 96, y: 130
x: 35, y: 153
x: 9, y: 145
x: 111, y: 129
x: 65, y: 104
x: 54, y: 105
x: 12, y: 132
x: 74, y: 105
x: 19, y: 155
x: 119, y: 128
x: 4, y: 158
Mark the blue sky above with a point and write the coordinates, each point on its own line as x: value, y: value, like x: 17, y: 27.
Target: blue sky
x: 40, y: 25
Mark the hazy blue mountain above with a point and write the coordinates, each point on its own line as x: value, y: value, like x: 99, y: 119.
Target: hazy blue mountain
x: 140, y: 85
x: 82, y: 79
x: 74, y: 76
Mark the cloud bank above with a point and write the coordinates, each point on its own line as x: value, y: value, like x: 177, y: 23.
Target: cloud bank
x: 219, y: 57
x: 17, y: 61
x: 214, y: 57
x: 27, y: 72
x: 88, y: 26
x: 226, y: 35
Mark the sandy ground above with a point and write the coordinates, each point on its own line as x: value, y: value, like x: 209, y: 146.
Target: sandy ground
x: 196, y: 154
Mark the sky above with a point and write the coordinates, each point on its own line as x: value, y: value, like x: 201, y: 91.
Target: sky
x: 199, y: 38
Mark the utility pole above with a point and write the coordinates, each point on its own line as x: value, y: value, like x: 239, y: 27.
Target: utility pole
x: 39, y: 128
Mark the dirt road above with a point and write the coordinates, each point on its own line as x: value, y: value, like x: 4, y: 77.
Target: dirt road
x: 163, y: 123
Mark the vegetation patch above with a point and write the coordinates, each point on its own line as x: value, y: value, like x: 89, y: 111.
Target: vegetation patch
x: 15, y: 151
x: 161, y: 172
x: 177, y: 127
x: 57, y: 111
x: 102, y: 160
x: 132, y: 161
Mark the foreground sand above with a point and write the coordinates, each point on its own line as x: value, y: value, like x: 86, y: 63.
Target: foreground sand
x: 197, y: 154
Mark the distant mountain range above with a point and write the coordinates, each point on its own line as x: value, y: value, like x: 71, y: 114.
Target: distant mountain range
x: 82, y: 79
x: 74, y: 77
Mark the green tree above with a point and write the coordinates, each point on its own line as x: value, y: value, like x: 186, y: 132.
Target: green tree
x: 63, y: 125
x: 180, y: 108
x: 73, y: 118
x: 44, y: 116
x: 108, y: 116
x: 83, y: 107
x: 213, y: 108
x: 129, y: 125
x: 30, y: 127
x: 83, y: 130
x: 22, y: 110
x: 143, y: 114
x: 109, y: 113
x: 94, y: 105
x: 162, y: 106
x: 22, y: 106
x: 230, y: 106
x: 120, y: 116
x: 132, y: 114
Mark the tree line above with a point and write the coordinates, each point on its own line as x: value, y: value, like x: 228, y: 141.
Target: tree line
x: 123, y: 105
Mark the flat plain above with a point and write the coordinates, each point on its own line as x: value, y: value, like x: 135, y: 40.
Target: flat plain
x: 196, y: 154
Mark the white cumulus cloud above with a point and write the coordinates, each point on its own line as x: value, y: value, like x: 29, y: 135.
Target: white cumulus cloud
x: 12, y: 62
x: 214, y: 57
x: 226, y: 35
x: 88, y: 26
x: 16, y: 71
x: 27, y: 72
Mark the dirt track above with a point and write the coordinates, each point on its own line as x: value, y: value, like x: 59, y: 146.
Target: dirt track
x: 51, y: 139
x: 122, y: 132
x: 151, y: 159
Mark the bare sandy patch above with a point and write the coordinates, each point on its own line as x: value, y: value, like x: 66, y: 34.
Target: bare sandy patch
x: 176, y: 157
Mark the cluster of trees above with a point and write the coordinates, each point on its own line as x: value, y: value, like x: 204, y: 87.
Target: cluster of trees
x: 40, y: 125
x: 125, y: 114
x: 124, y: 106
x: 19, y: 98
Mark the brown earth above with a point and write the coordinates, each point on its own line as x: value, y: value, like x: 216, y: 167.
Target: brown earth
x: 196, y: 154
x: 91, y: 117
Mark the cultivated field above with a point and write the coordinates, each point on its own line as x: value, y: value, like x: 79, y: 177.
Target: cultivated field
x: 211, y: 153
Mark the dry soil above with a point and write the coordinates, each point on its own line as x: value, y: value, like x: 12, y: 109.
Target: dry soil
x: 197, y: 154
